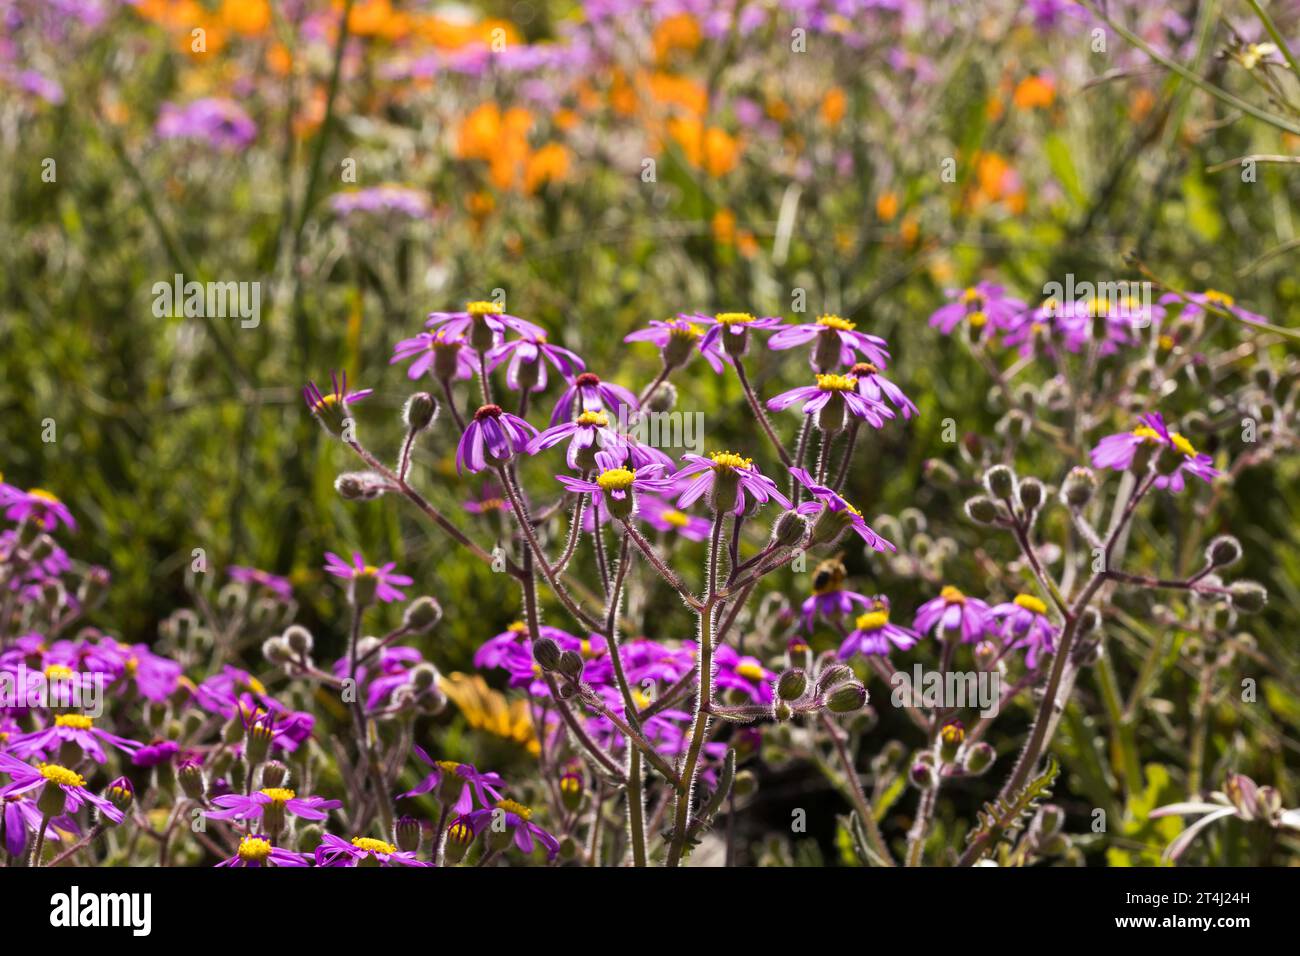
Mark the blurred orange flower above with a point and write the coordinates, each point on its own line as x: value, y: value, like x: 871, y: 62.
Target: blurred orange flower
x: 1033, y: 92
x: 678, y: 32
x: 833, y: 107
x: 550, y: 164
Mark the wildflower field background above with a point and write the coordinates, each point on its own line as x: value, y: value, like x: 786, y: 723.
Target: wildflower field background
x: 920, y: 169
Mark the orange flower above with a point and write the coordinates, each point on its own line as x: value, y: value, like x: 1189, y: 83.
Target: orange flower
x: 834, y: 105
x: 550, y: 164
x: 1033, y: 92
x: 679, y: 91
x: 678, y: 32
x: 886, y: 207
x: 724, y: 227
x: 712, y: 149
x: 248, y: 17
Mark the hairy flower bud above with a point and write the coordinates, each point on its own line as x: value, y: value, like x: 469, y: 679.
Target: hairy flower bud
x: 420, y: 411
x: 781, y: 710
x: 939, y: 473
x: 422, y: 614
x: 979, y: 757
x: 982, y: 509
x: 788, y: 530
x: 424, y: 676
x: 922, y: 775
x: 1000, y: 481
x: 1223, y: 551
x: 1078, y: 487
x: 298, y: 639
x: 951, y: 737
x: 571, y: 665
x: 276, y: 651
x: 193, y: 783
x: 1249, y: 597
x: 571, y: 791
x: 360, y: 485
x: 274, y: 774
x: 663, y: 398
x: 792, y: 684
x: 407, y: 833
x: 1031, y: 493
x: 547, y: 654
x: 460, y: 837
x: 832, y: 675
x: 120, y: 794
x: 847, y: 698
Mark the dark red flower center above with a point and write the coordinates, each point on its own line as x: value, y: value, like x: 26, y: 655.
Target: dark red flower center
x: 487, y: 411
x: 586, y: 380
x: 863, y: 369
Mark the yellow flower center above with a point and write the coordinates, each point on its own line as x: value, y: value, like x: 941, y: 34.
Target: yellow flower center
x: 517, y: 627
x: 518, y: 809
x: 59, y: 672
x: 279, y: 795
x: 132, y: 665
x: 1166, y: 342
x: 62, y: 775
x: 733, y: 318
x: 953, y: 734
x: 836, y: 383
x: 570, y: 783
x: 835, y: 322
x: 972, y: 296
x: 254, y: 849
x: 1182, y: 444
x: 724, y: 460
x: 480, y: 309
x: 977, y: 320
x: 1216, y: 297
x: 686, y: 330
x: 77, y: 721
x: 43, y: 495
x: 460, y: 833
x: 951, y: 595
x: 751, y: 670
x: 616, y: 479
x: 1151, y: 436
x: 450, y: 766
x: 1031, y: 603
x: 675, y: 518
x: 873, y: 620
x: 373, y: 846
x: 599, y: 419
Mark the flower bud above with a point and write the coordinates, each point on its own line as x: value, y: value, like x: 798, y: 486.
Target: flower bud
x: 792, y: 684
x: 979, y: 757
x: 1031, y: 493
x: 830, y: 417
x: 360, y: 485
x: 423, y: 676
x: 745, y: 784
x: 1089, y: 620
x: 420, y: 411
x: 832, y: 675
x: 276, y: 651
x: 939, y: 473
x: 922, y: 775
x: 1223, y: 551
x: 189, y: 774
x: 547, y: 654
x: 120, y: 793
x: 781, y: 711
x: 986, y: 655
x: 982, y: 509
x: 298, y: 639
x: 789, y: 530
x: 257, y: 741
x: 1000, y: 481
x: 1078, y: 487
x: 421, y: 615
x: 663, y: 398
x: 847, y: 698
x: 460, y: 837
x: 571, y: 791
x: 1248, y: 597
x: 951, y: 737
x: 406, y: 834
x: 571, y: 665
x: 274, y: 774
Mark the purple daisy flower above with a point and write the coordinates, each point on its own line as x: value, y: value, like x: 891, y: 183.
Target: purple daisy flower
x: 589, y: 433
x: 837, y: 343
x: 830, y: 398
x: 593, y: 395
x: 662, y: 516
x: 876, y: 388
x: 41, y: 507
x: 449, y: 356
x: 980, y: 305
x: 1199, y: 301
x: 518, y: 828
x: 954, y: 611
x: 728, y: 333
x: 218, y: 121
x: 875, y: 634
x: 1134, y: 450
x: 677, y: 339
x: 336, y: 851
x: 382, y: 576
x: 616, y: 485
x: 490, y: 499
x: 21, y: 816
x: 24, y: 779
x: 835, y: 515
x: 743, y: 674
x: 237, y: 806
x: 493, y: 437
x: 482, y: 323
x: 1023, y: 622
x: 726, y: 477
x: 253, y: 577
x: 526, y: 369
x: 256, y: 851
x: 459, y: 783
x: 75, y: 729
x: 331, y: 409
